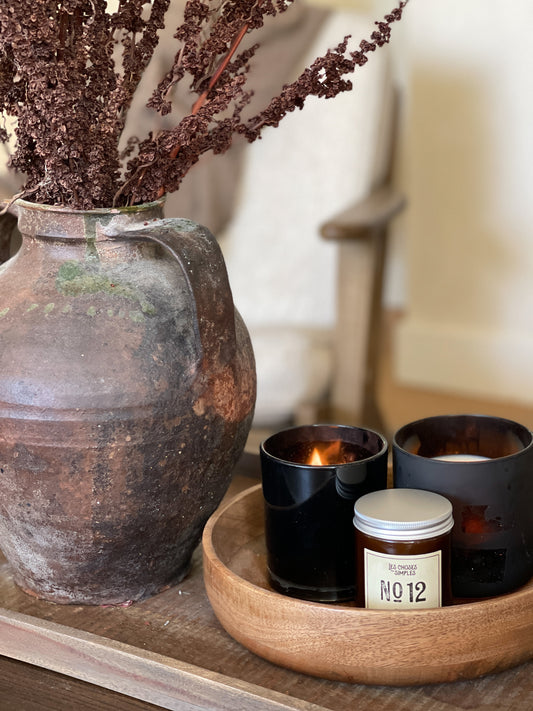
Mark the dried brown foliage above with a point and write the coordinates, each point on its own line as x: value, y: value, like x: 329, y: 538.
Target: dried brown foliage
x: 69, y: 90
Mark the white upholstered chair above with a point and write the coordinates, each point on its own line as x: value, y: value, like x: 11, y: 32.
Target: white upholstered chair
x: 305, y: 248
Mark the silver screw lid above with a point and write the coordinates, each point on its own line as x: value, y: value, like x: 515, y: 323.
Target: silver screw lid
x: 403, y: 514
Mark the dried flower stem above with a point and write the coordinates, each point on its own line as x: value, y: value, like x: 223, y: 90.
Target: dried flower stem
x: 222, y: 66
x: 200, y: 101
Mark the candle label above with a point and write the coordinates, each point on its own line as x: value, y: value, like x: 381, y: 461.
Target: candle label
x: 402, y: 582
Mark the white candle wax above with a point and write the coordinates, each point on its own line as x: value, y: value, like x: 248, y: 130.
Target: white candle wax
x: 461, y: 458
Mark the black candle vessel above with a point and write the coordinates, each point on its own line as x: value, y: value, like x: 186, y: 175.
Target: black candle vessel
x: 311, y: 477
x: 484, y: 465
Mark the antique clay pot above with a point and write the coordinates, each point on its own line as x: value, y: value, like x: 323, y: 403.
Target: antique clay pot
x: 127, y: 386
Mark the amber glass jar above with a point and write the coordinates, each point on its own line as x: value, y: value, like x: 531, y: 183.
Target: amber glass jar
x: 403, y: 549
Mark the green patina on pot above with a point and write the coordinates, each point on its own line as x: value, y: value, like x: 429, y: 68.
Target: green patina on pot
x: 76, y: 278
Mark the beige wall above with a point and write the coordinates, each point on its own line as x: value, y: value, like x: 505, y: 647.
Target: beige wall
x: 468, y: 171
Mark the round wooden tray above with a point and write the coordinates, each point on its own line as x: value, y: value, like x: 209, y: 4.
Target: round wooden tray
x: 344, y: 642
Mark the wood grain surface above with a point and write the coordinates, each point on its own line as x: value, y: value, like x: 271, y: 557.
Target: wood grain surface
x: 170, y: 651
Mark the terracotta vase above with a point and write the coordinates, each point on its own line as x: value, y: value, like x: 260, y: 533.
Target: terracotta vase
x: 127, y: 386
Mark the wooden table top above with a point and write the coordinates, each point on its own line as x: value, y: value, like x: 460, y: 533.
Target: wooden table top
x: 171, y: 652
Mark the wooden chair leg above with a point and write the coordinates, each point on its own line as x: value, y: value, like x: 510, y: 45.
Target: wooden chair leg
x: 357, y: 338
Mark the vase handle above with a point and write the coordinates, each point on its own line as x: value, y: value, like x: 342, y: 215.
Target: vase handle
x: 199, y: 256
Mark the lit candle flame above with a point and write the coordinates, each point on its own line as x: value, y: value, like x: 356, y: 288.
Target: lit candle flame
x: 315, y: 459
x: 327, y: 454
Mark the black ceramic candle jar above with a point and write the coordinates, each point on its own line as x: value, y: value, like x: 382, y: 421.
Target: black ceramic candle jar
x: 311, y: 477
x: 484, y: 466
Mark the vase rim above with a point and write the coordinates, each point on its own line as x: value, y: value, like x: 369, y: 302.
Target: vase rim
x: 65, y: 209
